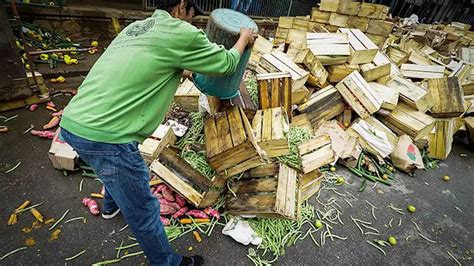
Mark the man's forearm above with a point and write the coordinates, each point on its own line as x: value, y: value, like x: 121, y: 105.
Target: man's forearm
x: 240, y: 45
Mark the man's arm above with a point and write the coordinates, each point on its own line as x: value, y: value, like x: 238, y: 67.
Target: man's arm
x: 205, y: 57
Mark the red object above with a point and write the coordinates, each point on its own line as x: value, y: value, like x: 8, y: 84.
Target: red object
x: 51, y: 104
x: 33, y: 107
x: 197, y: 214
x: 43, y: 133
x: 92, y: 205
x: 180, y: 212
x: 180, y: 200
x: 167, y: 209
x: 168, y: 194
x: 170, y: 203
x: 211, y: 212
x: 165, y: 221
x: 58, y: 114
x: 160, y: 188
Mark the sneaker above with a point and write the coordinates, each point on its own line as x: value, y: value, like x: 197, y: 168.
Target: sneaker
x: 195, y: 260
x: 110, y: 214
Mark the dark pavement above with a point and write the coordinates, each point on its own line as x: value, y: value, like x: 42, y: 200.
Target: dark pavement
x: 444, y: 213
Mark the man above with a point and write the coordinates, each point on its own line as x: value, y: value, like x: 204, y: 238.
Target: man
x: 242, y: 6
x: 125, y: 97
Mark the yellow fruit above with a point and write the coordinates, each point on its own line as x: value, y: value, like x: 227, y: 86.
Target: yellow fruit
x: 190, y: 248
x: 53, y: 80
x: 60, y: 79
x: 318, y: 224
x: 390, y: 168
x: 392, y: 240
x: 27, y: 66
x: 346, y: 125
x: 385, y: 177
x: 332, y: 169
x: 411, y: 208
x: 95, y: 43
x: 446, y: 178
x: 340, y: 180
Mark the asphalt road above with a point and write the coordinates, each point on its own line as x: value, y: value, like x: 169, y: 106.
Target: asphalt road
x: 444, y: 213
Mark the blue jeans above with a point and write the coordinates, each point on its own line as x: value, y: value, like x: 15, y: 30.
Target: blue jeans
x: 126, y: 180
x: 240, y: 5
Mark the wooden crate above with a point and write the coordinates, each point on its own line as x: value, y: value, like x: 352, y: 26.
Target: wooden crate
x: 286, y: 22
x: 302, y: 121
x: 243, y: 100
x: 301, y: 23
x: 469, y: 123
x: 380, y: 27
x: 407, y: 120
x: 388, y: 95
x: 441, y: 140
x: 274, y: 90
x: 374, y: 122
x: 271, y: 191
x: 348, y: 7
x: 230, y: 143
x: 315, y: 67
x: 187, y: 181
x: 422, y: 71
x: 398, y: 56
x: 373, y: 11
x: 467, y: 55
x: 339, y: 72
x: 280, y: 62
x: 359, y: 95
x: 270, y: 127
x: 329, y: 48
x: 310, y: 184
x: 296, y: 36
x: 465, y: 74
x: 320, y: 16
x: 316, y: 153
x: 280, y: 35
x: 329, y: 5
x: 338, y: 20
x: 378, y: 68
x: 300, y: 96
x: 377, y: 40
x: 447, y: 97
x: 325, y: 104
x: 187, y: 96
x: 355, y: 22
x: 151, y: 148
x: 411, y: 94
x: 363, y: 50
x: 260, y: 47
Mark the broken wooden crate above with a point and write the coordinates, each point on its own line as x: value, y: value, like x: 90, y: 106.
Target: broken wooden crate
x: 310, y: 184
x: 411, y: 94
x: 363, y: 50
x: 151, y: 148
x: 406, y: 120
x: 187, y: 181
x: 325, y: 104
x: 388, y: 95
x: 316, y: 68
x: 380, y: 67
x: 447, y: 96
x: 271, y: 127
x: 329, y: 48
x: 441, y: 139
x: 274, y: 90
x: 187, y: 96
x: 315, y: 153
x: 279, y: 62
x: 230, y: 144
x: 359, y: 95
x: 271, y: 191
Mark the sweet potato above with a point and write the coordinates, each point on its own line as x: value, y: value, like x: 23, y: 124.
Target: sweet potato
x: 168, y: 194
x: 180, y: 212
x: 167, y: 209
x: 169, y: 203
x: 197, y: 214
x: 211, y: 212
x: 180, y: 200
x: 165, y: 221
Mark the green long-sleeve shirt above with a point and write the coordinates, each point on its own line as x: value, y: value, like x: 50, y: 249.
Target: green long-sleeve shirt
x: 129, y: 89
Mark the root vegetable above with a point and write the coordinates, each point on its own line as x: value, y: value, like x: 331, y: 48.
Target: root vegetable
x: 165, y: 221
x: 190, y: 221
x: 167, y: 209
x: 168, y: 194
x: 180, y: 212
x: 197, y: 214
x: 180, y: 200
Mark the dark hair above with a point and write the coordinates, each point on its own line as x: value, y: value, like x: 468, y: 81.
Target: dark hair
x: 168, y: 5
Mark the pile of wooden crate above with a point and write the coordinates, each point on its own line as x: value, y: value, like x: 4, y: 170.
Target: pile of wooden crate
x: 343, y: 73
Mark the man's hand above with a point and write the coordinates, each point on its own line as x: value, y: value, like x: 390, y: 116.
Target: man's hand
x: 187, y: 75
x: 248, y: 35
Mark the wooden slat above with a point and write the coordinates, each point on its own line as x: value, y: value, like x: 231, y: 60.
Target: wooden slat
x: 267, y: 125
x: 255, y: 186
x: 287, y: 96
x: 277, y: 123
x: 318, y: 158
x: 257, y: 124
x: 447, y: 97
x: 263, y: 96
x: 251, y: 204
x: 269, y: 169
x: 313, y: 144
x: 210, y: 133
x: 176, y: 183
x: 223, y: 132
x: 281, y: 190
x: 236, y: 127
x: 275, y: 93
x: 248, y: 164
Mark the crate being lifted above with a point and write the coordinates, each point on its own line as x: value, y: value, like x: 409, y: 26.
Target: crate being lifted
x: 271, y: 127
x: 187, y: 181
x: 230, y: 144
x: 151, y: 148
x: 272, y: 190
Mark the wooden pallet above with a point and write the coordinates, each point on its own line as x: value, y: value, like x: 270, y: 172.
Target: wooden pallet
x: 377, y: 40
x: 187, y: 181
x: 260, y: 47
x: 316, y: 153
x: 302, y: 121
x: 272, y: 191
x: 280, y: 62
x: 151, y: 148
x: 411, y: 94
x: 447, y: 96
x: 359, y: 95
x: 407, y: 120
x: 329, y: 48
x: 441, y: 140
x: 230, y: 144
x: 271, y: 127
x: 363, y: 50
x: 187, y: 96
x: 325, y: 104
x: 275, y: 90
